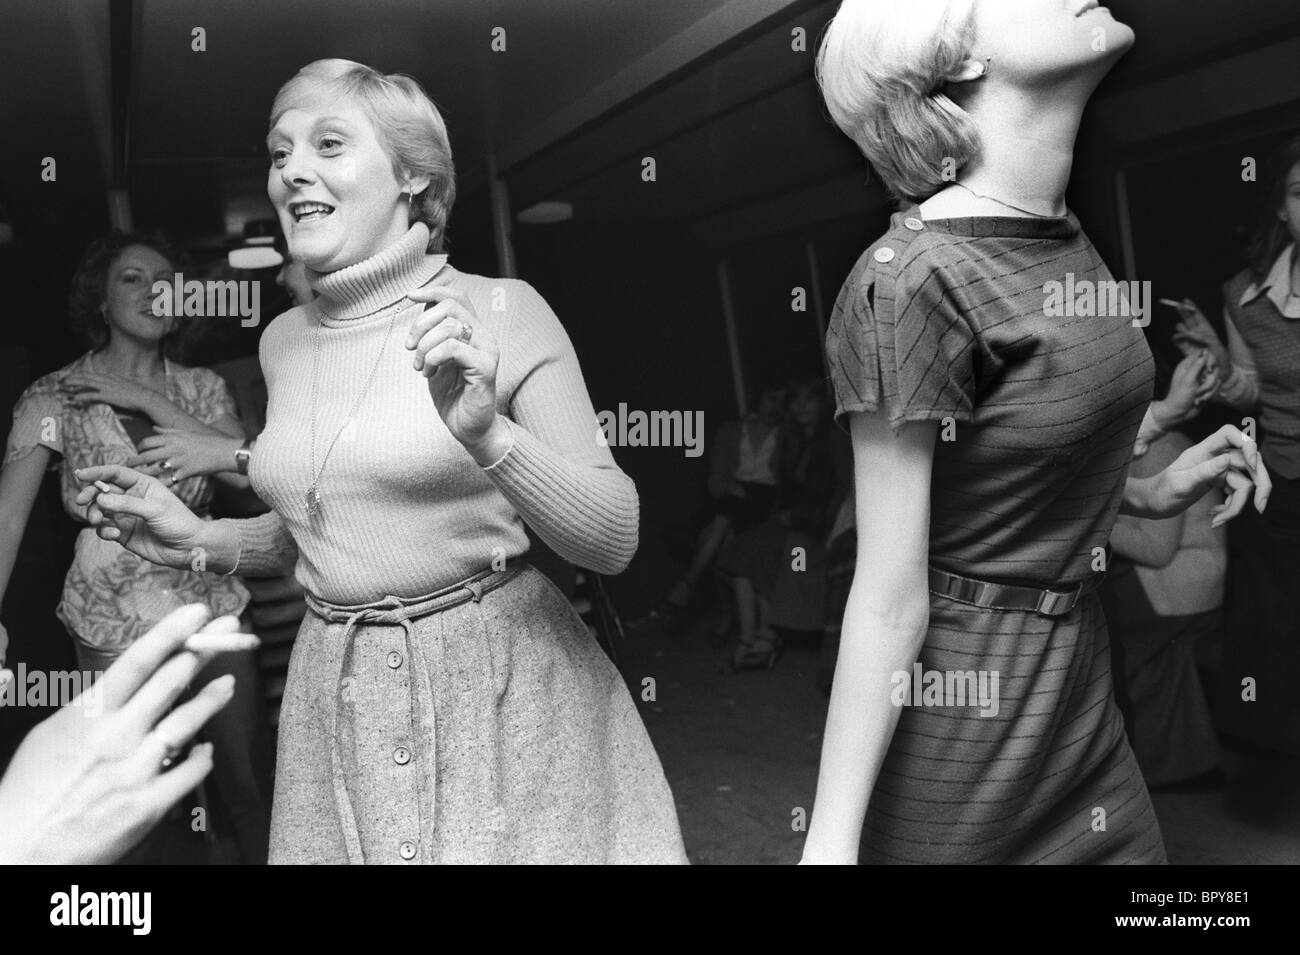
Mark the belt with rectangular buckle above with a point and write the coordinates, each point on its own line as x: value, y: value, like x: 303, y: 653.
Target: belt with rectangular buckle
x: 1050, y: 602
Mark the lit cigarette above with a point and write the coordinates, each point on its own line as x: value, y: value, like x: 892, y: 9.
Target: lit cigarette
x: 104, y: 487
x: 1172, y: 304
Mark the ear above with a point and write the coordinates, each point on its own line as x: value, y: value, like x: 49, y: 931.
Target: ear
x: 971, y: 70
x: 416, y: 184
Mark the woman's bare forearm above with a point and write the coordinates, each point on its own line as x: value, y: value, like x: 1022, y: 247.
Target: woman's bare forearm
x: 875, y: 645
x: 20, y: 483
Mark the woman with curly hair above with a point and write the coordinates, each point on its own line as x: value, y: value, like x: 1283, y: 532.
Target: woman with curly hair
x: 100, y: 410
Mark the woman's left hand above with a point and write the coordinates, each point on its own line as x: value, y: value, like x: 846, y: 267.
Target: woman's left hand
x: 85, y: 388
x: 458, y: 355
x: 173, y: 454
x: 1226, y: 459
x: 1195, y: 331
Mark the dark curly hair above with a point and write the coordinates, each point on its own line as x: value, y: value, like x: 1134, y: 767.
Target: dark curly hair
x: 89, y: 283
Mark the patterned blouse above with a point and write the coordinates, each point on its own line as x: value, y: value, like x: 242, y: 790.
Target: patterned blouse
x: 110, y: 596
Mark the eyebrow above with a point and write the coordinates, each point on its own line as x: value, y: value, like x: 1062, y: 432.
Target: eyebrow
x: 275, y: 133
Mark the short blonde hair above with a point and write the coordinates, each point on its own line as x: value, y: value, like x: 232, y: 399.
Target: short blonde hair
x: 409, y: 126
x: 882, y: 66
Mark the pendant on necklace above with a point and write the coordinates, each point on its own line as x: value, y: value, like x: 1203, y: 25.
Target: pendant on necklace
x: 313, y: 501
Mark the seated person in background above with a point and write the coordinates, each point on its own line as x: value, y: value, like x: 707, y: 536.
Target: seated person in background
x: 755, y: 559
x: 1163, y: 594
x: 745, y: 470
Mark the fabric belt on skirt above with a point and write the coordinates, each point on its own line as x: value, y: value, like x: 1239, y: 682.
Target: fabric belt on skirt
x: 1050, y: 602
x: 399, y: 612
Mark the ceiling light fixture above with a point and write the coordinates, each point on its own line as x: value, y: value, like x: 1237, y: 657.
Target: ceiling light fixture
x: 258, y: 250
x: 547, y: 213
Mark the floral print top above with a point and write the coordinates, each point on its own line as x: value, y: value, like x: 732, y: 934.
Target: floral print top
x: 110, y: 596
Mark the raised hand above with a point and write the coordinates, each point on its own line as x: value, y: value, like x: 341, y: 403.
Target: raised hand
x: 458, y: 355
x: 1194, y: 382
x: 89, y: 782
x: 86, y: 387
x: 174, y: 454
x: 1196, y: 332
x: 135, y: 510
x: 1226, y: 459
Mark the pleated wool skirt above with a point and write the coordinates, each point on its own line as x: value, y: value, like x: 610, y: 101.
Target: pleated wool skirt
x: 493, y: 731
x: 1047, y: 778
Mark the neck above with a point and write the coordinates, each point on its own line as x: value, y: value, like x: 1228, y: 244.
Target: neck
x: 128, y: 358
x: 1027, y: 140
x: 379, y: 281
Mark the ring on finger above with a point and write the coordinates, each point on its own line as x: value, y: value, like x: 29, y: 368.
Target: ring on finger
x: 170, y: 752
x: 466, y: 332
x: 167, y: 465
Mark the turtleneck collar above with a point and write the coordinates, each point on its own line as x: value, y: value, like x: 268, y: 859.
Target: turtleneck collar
x: 357, y: 291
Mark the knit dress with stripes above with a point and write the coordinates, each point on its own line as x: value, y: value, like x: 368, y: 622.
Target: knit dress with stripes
x: 947, y: 320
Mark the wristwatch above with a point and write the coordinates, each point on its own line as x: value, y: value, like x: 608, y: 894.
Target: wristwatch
x: 243, y: 455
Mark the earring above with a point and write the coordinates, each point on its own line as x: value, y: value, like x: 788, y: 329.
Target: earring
x: 410, y: 203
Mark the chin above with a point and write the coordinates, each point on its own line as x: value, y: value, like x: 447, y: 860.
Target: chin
x: 315, y: 255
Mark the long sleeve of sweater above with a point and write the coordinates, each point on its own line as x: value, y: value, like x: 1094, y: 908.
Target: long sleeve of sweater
x: 558, y: 474
x: 266, y: 548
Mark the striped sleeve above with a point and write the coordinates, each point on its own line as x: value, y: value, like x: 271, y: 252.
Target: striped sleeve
x: 898, y: 341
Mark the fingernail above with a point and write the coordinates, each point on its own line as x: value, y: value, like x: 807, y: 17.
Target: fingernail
x: 224, y: 686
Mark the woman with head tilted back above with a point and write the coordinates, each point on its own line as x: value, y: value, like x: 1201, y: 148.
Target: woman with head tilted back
x: 444, y: 702
x: 972, y: 718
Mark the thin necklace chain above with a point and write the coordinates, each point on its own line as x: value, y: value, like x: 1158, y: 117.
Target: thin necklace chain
x: 1028, y: 212
x: 313, y: 492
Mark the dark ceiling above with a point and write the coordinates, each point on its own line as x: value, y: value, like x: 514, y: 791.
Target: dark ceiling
x: 585, y: 89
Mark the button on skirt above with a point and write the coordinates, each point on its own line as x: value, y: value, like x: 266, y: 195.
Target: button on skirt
x: 494, y: 731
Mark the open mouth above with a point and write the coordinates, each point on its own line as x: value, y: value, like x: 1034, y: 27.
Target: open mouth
x: 309, y: 211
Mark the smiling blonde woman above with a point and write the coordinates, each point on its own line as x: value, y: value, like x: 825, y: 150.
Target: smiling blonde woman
x: 444, y: 702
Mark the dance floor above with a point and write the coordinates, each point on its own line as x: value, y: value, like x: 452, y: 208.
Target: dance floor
x: 740, y: 752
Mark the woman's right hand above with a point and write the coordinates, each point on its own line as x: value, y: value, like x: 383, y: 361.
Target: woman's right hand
x: 143, y: 516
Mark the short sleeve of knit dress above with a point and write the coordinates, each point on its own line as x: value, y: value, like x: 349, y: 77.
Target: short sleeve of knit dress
x: 897, y: 342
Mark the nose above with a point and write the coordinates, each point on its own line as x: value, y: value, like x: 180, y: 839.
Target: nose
x: 297, y: 170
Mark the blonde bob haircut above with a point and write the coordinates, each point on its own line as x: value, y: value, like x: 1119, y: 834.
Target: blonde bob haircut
x: 407, y: 122
x: 882, y: 67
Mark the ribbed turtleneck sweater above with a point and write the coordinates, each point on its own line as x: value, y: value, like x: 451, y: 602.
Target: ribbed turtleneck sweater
x: 405, y: 509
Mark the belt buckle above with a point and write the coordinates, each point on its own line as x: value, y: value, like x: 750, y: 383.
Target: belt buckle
x: 1056, y: 603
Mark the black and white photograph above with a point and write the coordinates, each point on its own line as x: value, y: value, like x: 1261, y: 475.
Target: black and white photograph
x: 597, y: 432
